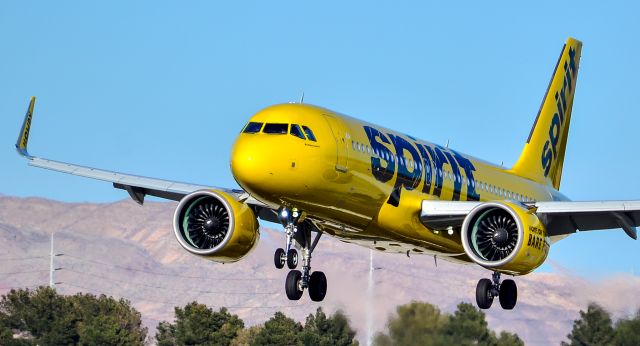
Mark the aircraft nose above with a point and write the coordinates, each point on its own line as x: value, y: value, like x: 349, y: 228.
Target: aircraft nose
x: 248, y: 164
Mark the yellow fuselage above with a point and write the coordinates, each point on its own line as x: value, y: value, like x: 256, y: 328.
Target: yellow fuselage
x: 364, y: 183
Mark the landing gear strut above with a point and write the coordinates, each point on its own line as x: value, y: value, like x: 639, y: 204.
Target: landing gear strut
x: 297, y: 281
x: 486, y: 290
x: 289, y: 219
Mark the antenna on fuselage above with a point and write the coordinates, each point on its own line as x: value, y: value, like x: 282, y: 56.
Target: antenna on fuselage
x: 447, y: 145
x: 302, y: 98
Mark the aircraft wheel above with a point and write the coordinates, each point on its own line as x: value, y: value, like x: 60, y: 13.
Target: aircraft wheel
x: 292, y: 259
x: 292, y: 285
x: 317, y: 286
x: 508, y: 294
x: 484, y: 298
x: 279, y: 258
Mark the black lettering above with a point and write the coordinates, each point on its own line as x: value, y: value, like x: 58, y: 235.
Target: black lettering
x: 409, y: 175
x: 468, y: 168
x: 376, y: 138
x: 554, y: 134
x: 438, y: 162
x: 426, y: 167
x: 457, y: 178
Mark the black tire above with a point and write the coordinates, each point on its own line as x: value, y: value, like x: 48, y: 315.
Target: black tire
x: 484, y: 299
x: 291, y: 286
x: 317, y: 286
x: 508, y: 294
x: 292, y: 259
x: 278, y: 258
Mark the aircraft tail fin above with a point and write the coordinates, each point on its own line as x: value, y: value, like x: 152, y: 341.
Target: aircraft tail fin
x: 543, y: 154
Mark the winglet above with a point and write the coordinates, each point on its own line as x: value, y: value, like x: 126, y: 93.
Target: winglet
x: 23, y: 137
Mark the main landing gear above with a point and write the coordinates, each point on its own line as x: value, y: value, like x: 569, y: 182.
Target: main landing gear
x: 298, y: 281
x: 507, y: 292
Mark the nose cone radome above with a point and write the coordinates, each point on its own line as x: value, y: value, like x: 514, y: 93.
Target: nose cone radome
x: 248, y: 164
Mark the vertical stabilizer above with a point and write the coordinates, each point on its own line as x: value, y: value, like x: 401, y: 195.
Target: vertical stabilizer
x: 543, y: 154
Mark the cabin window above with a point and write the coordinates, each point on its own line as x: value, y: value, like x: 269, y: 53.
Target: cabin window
x: 309, y: 133
x: 252, y: 127
x: 296, y: 131
x: 276, y: 129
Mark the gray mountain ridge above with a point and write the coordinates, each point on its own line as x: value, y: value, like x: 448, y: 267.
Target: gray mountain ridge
x: 124, y: 250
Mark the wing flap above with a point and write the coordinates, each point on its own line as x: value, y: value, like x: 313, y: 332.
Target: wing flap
x: 566, y: 217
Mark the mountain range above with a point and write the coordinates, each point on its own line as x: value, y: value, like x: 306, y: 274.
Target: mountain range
x: 124, y: 250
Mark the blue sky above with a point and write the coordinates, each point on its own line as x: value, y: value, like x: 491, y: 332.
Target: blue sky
x: 161, y: 88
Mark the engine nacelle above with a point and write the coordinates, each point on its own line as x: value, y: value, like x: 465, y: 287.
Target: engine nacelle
x: 214, y: 225
x: 505, y: 237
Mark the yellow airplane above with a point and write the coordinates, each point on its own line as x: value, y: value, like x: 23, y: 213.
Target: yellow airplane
x: 316, y: 171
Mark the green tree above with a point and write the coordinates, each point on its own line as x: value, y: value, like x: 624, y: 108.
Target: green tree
x: 420, y: 323
x: 416, y: 323
x: 196, y: 324
x: 42, y: 313
x: 593, y: 328
x: 508, y: 339
x: 165, y: 334
x: 105, y: 321
x: 44, y: 317
x: 627, y: 331
x: 468, y: 326
x: 279, y: 330
x: 322, y: 330
x: 246, y: 336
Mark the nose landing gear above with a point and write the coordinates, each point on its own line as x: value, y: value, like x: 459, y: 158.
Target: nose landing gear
x: 297, y: 281
x: 289, y: 219
x: 486, y: 290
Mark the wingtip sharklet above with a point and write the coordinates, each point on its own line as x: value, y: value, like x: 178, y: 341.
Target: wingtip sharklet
x: 23, y: 136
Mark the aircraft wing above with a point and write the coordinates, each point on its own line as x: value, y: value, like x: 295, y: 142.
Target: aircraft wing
x: 137, y: 186
x: 560, y: 218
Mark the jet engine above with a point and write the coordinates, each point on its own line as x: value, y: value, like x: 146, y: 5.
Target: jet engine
x: 505, y: 237
x: 215, y: 225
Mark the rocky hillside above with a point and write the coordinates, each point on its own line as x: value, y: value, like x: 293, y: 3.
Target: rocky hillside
x: 124, y: 250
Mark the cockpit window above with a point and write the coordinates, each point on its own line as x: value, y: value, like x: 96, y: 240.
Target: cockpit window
x: 277, y: 129
x: 295, y: 130
x: 309, y: 133
x: 252, y: 128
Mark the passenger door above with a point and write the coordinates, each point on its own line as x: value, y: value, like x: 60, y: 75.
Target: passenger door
x: 340, y: 135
